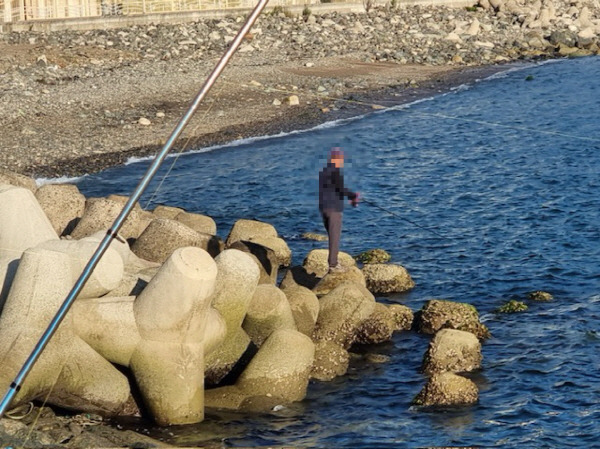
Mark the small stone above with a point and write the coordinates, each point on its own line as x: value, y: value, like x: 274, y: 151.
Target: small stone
x: 255, y: 83
x: 276, y: 102
x: 309, y: 64
x: 144, y: 121
x: 293, y: 100
x: 160, y: 114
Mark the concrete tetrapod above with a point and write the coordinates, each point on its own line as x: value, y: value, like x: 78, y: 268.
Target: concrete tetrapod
x: 237, y: 279
x: 78, y: 376
x: 23, y: 224
x: 276, y: 374
x: 268, y: 311
x: 171, y: 316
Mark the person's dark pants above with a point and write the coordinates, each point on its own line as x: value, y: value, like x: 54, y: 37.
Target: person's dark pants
x: 332, y: 220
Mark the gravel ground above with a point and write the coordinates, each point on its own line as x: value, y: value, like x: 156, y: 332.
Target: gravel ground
x: 77, y: 102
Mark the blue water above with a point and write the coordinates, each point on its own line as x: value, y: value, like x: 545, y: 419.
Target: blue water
x: 507, y: 171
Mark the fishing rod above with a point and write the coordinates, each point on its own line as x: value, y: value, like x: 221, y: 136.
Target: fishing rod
x: 112, y: 232
x: 401, y: 217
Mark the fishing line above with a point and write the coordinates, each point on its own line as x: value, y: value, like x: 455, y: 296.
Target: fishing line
x: 402, y: 218
x: 176, y: 158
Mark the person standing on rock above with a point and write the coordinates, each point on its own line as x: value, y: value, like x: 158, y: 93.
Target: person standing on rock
x: 331, y: 203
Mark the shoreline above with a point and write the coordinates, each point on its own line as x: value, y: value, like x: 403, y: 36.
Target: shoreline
x: 302, y: 119
x: 80, y: 102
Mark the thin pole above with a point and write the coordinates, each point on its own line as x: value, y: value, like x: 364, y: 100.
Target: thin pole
x: 402, y: 218
x: 15, y: 386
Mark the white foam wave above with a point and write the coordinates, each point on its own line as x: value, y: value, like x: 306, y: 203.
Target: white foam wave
x: 61, y: 180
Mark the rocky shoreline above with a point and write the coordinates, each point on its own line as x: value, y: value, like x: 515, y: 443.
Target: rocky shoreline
x: 174, y: 319
x: 78, y: 102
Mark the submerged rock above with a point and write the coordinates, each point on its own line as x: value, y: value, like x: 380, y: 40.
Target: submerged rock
x: 331, y: 361
x: 512, y: 306
x: 373, y: 256
x: 540, y: 296
x: 452, y: 350
x: 447, y: 389
x: 439, y: 314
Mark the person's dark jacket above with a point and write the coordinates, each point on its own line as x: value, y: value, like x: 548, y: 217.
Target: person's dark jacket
x: 332, y: 190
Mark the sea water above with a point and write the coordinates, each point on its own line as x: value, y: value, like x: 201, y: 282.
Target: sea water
x: 506, y: 171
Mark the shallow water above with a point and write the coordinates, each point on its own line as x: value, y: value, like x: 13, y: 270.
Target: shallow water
x: 508, y: 172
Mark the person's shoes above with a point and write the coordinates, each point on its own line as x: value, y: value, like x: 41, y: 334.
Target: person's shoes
x: 338, y: 269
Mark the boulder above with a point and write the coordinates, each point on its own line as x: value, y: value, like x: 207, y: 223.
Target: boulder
x: 262, y: 233
x: 314, y: 236
x: 237, y: 280
x: 316, y: 262
x: 63, y: 204
x: 565, y: 37
x: 199, y: 223
x: 305, y: 308
x: 452, y: 350
x: 374, y: 256
x: 268, y: 311
x: 387, y: 278
x: 402, y: 316
x: 446, y: 389
x: 100, y: 214
x: 163, y: 236
x: 377, y: 328
x: 439, y: 314
x: 265, y: 259
x: 341, y: 313
x: 17, y: 180
x: 278, y: 371
x: 539, y: 295
x: 171, y: 316
x: 331, y: 361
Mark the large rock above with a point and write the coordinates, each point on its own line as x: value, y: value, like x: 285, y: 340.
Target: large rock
x: 342, y: 311
x: 163, y: 236
x: 262, y: 233
x: 237, y: 280
x: 265, y: 259
x: 199, y: 223
x: 100, y: 214
x: 452, y: 350
x: 305, y: 308
x: 63, y: 204
x: 387, y: 278
x: 438, y: 314
x: 377, y: 328
x: 402, y: 315
x: 316, y: 262
x: 17, y: 180
x: 268, y: 311
x: 171, y: 317
x: 331, y: 361
x: 447, y: 389
x: 374, y: 256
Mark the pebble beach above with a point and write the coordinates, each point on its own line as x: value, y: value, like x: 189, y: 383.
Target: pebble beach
x: 75, y: 102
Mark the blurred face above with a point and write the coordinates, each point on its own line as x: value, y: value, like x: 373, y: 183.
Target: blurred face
x: 338, y: 161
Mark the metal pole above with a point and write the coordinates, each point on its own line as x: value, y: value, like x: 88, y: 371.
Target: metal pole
x: 15, y: 386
